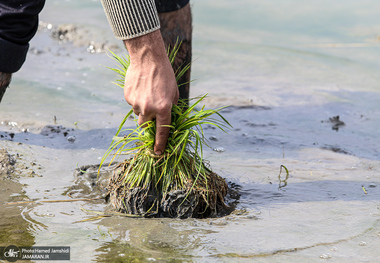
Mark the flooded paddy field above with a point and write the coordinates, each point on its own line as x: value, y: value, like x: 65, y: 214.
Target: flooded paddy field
x: 302, y: 86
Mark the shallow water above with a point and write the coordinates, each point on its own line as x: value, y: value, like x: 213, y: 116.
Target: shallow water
x: 285, y: 68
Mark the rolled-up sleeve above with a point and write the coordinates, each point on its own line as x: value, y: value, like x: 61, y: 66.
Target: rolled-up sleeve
x: 18, y: 24
x: 131, y: 18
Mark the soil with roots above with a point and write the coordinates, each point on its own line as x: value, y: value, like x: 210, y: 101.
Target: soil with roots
x: 198, y: 201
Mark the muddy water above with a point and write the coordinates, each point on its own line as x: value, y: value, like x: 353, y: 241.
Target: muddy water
x: 287, y: 69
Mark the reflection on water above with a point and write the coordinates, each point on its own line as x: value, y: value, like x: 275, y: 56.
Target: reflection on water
x: 286, y: 68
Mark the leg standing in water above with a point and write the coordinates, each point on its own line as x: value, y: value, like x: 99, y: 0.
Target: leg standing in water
x: 5, y: 79
x: 176, y: 24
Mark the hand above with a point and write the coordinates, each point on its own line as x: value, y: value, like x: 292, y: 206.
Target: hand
x: 150, y: 85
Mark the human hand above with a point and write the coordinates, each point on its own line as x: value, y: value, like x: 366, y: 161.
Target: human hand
x: 150, y: 85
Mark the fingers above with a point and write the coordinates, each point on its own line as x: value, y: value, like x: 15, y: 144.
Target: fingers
x: 143, y: 119
x: 162, y: 133
x: 137, y: 111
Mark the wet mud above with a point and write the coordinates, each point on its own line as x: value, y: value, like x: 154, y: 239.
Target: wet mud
x: 7, y: 163
x: 13, y: 227
x: 262, y: 199
x: 336, y: 123
x: 90, y: 182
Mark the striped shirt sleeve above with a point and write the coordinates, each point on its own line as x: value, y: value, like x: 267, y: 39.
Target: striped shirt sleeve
x: 131, y: 18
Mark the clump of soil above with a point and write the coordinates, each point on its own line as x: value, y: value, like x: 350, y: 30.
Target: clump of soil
x: 335, y: 122
x: 91, y: 181
x: 51, y: 130
x: 7, y: 163
x: 198, y: 201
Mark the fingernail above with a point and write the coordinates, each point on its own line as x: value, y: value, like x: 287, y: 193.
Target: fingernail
x: 158, y: 152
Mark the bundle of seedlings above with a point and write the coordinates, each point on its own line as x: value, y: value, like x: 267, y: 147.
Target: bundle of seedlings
x: 179, y: 182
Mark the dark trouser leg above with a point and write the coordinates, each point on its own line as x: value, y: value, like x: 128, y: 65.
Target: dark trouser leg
x: 5, y: 79
x: 178, y: 25
x: 18, y: 24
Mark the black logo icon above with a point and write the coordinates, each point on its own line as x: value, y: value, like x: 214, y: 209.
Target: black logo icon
x: 12, y: 253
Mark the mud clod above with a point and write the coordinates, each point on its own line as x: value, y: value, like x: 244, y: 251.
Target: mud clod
x: 7, y: 163
x: 335, y: 122
x: 197, y: 201
x: 51, y: 130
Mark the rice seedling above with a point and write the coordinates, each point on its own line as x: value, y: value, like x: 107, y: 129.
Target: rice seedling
x: 177, y: 183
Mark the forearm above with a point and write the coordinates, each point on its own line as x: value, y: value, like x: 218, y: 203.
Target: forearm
x: 18, y: 24
x: 146, y: 49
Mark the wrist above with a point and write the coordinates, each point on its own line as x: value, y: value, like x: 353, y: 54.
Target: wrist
x: 146, y: 48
